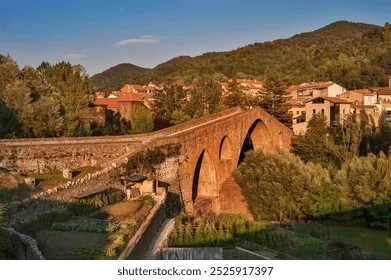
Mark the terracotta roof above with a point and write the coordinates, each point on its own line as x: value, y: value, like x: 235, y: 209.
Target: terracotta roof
x: 363, y: 92
x: 385, y: 91
x: 331, y: 99
x: 138, y: 87
x: 130, y: 97
x: 324, y: 85
x: 360, y: 106
x: 127, y: 88
x: 292, y: 88
x: 109, y: 102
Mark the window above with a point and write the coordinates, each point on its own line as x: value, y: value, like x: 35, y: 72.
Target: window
x: 318, y: 101
x: 314, y: 111
x: 323, y: 111
x: 297, y: 112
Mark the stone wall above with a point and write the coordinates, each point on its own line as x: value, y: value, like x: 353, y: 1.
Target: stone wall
x: 20, y: 246
x: 22, y: 214
x: 139, y: 244
x: 42, y: 156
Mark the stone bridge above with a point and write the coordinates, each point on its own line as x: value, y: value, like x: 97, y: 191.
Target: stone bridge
x: 212, y: 146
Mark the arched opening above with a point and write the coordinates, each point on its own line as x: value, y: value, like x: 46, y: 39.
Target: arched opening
x: 225, y: 150
x: 257, y: 137
x: 204, y: 180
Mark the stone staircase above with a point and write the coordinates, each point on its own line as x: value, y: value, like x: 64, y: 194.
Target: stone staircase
x: 232, y: 200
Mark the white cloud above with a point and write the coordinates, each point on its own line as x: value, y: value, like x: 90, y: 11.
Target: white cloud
x: 148, y: 39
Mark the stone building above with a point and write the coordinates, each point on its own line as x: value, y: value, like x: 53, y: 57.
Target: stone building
x: 126, y: 104
x: 335, y: 109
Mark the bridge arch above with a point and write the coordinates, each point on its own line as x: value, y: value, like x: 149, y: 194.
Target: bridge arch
x: 204, y: 178
x: 257, y: 137
x: 226, y: 151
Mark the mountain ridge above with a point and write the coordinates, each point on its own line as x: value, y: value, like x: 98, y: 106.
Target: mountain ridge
x: 290, y: 57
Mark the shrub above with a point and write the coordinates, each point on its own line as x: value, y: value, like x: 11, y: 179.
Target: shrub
x: 83, y: 206
x: 145, y: 161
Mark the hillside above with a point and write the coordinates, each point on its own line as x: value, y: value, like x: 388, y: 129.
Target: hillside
x: 116, y: 77
x: 351, y: 54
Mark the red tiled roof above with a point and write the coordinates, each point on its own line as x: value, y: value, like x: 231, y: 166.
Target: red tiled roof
x: 130, y: 97
x: 127, y: 88
x: 364, y: 92
x: 324, y: 85
x: 138, y: 87
x: 109, y: 102
x: 292, y: 88
x: 385, y: 91
x: 331, y: 99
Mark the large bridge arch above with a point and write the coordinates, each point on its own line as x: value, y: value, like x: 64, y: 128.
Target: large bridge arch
x: 257, y: 137
x: 204, y: 178
x: 226, y: 149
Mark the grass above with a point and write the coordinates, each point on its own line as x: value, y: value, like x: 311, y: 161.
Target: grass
x: 12, y: 186
x: 375, y: 243
x: 234, y: 254
x: 47, y: 180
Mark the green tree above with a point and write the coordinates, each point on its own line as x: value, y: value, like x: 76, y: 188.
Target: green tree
x: 179, y: 116
x: 47, y: 110
x: 274, y: 99
x: 205, y: 98
x: 278, y: 186
x: 73, y: 84
x: 313, y: 146
x: 17, y: 98
x: 9, y: 71
x: 236, y: 97
x: 168, y: 100
x: 142, y: 121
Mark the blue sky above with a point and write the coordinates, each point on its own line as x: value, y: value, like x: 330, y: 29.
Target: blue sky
x: 100, y: 34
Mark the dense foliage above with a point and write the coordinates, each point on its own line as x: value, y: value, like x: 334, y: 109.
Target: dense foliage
x: 145, y: 161
x: 354, y: 55
x: 83, y: 206
x: 230, y: 231
x: 49, y: 101
x: 142, y: 121
x: 284, y: 187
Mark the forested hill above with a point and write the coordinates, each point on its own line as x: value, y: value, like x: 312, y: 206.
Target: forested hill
x: 355, y: 55
x: 116, y: 77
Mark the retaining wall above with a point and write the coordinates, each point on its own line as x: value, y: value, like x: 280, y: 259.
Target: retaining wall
x: 20, y: 246
x: 139, y: 244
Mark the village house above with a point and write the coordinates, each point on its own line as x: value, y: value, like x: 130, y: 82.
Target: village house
x: 249, y: 86
x: 363, y: 100
x: 123, y: 103
x: 310, y: 90
x: 297, y: 111
x: 359, y: 97
x: 335, y: 109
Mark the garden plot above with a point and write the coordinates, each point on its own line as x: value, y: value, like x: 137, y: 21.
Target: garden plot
x: 126, y: 212
x: 101, y: 235
x: 60, y: 245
